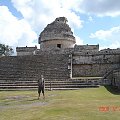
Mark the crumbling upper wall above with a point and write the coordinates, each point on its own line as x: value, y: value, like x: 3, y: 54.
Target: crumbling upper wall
x: 81, y: 48
x: 21, y: 51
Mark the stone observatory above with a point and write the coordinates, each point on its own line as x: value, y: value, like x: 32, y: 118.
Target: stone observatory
x: 57, y: 35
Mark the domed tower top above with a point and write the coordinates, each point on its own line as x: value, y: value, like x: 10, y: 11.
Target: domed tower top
x: 61, y: 19
x: 57, y: 34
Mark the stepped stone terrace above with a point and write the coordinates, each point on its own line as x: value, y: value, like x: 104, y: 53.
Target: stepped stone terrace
x: 63, y: 63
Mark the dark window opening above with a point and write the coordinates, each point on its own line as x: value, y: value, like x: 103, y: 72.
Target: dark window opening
x: 59, y: 45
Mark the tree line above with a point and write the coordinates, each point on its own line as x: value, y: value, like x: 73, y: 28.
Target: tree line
x: 5, y: 50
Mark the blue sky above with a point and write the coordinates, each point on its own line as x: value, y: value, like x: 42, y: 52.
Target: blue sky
x: 92, y: 21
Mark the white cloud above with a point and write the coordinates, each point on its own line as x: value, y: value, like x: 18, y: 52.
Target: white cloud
x: 13, y: 31
x: 39, y: 13
x: 114, y: 45
x: 90, y: 19
x: 79, y: 41
x: 101, y: 34
x: 112, y: 36
x: 99, y: 7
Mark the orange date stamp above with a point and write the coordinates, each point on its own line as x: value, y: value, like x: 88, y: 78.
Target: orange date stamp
x: 109, y: 108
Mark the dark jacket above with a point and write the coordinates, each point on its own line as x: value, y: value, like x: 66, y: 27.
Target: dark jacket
x: 40, y: 83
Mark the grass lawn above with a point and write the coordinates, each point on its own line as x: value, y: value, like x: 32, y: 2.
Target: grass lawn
x: 82, y: 104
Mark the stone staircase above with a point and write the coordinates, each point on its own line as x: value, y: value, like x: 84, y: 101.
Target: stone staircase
x: 49, y: 85
x: 22, y: 72
x: 70, y: 84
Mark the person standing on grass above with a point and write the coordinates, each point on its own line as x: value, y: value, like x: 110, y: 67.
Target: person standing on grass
x: 41, y: 85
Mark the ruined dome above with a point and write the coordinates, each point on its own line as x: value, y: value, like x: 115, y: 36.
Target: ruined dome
x: 58, y: 32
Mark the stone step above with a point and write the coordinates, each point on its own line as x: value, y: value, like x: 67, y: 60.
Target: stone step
x: 47, y: 84
x: 35, y: 87
x: 18, y: 78
x: 67, y: 86
x: 24, y: 79
x: 48, y: 71
x: 55, y: 82
x: 46, y: 80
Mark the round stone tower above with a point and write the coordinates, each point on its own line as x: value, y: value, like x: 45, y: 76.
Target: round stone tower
x: 58, y: 34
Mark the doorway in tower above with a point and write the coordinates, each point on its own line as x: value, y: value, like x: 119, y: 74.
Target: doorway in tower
x: 59, y: 45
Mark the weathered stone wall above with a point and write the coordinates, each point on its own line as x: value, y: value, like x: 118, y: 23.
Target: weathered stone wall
x: 55, y: 51
x: 93, y: 69
x: 52, y: 44
x: 58, y: 34
x: 25, y: 53
x: 22, y: 51
x: 95, y: 63
x: 116, y: 78
x: 87, y: 47
x: 96, y: 59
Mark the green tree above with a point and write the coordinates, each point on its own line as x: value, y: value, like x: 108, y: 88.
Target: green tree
x: 5, y: 50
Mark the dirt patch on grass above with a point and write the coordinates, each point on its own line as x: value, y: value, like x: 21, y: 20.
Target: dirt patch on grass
x: 24, y: 106
x: 23, y: 102
x: 16, y: 97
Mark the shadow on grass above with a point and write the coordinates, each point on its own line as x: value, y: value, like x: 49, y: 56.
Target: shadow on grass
x: 112, y: 89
